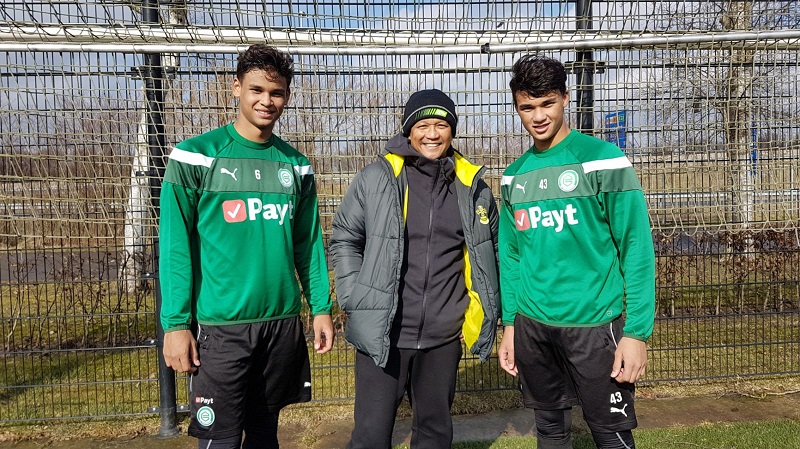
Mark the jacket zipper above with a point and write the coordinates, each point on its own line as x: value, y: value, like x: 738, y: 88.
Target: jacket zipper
x: 427, y: 258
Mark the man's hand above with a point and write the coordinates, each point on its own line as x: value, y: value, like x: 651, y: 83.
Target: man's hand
x: 633, y: 354
x: 323, y: 333
x: 180, y: 351
x: 506, y: 351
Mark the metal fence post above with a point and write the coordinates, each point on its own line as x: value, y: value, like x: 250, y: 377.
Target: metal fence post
x: 584, y: 70
x: 153, y: 76
x: 167, y: 401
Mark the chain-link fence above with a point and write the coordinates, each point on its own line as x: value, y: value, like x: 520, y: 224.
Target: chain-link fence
x: 702, y: 96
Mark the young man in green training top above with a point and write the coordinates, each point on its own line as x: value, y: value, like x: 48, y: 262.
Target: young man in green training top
x: 576, y: 252
x: 238, y: 218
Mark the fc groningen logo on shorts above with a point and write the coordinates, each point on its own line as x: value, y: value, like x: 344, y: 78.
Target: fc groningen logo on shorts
x: 205, y: 416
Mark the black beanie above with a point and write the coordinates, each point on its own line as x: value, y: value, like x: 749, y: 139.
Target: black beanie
x: 430, y: 103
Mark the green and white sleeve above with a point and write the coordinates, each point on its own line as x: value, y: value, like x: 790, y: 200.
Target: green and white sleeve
x: 630, y: 229
x: 178, y: 211
x: 309, y: 251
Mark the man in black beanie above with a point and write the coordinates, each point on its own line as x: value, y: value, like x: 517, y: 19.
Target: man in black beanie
x: 414, y: 253
x: 431, y: 103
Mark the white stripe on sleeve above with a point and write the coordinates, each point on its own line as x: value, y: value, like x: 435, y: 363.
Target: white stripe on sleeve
x: 191, y: 158
x: 303, y: 170
x: 606, y: 164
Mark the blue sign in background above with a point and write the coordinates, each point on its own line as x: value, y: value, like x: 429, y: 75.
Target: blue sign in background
x: 753, y: 149
x: 616, y: 126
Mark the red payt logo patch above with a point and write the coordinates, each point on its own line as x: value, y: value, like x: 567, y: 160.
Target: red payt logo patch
x: 521, y: 219
x: 234, y: 211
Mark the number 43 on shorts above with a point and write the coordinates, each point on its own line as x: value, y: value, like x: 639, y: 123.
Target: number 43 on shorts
x: 616, y: 397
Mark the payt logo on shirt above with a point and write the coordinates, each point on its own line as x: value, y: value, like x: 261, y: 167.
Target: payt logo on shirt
x: 533, y: 217
x: 521, y: 219
x: 234, y: 211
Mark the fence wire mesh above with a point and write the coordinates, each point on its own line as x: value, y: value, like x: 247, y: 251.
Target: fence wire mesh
x: 702, y: 96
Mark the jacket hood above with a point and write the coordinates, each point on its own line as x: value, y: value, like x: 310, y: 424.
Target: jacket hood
x: 401, y: 146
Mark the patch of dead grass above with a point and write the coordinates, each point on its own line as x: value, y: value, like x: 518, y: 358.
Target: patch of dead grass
x: 309, y: 416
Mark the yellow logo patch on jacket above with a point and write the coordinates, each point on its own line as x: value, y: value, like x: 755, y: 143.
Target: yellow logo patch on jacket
x: 484, y: 216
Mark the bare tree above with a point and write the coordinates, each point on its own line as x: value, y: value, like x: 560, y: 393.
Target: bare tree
x: 713, y: 99
x: 138, y: 211
x: 737, y: 114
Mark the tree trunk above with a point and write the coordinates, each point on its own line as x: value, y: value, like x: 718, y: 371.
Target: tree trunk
x: 738, y: 119
x: 139, y: 227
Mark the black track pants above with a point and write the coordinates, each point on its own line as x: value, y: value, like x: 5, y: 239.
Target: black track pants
x: 429, y: 376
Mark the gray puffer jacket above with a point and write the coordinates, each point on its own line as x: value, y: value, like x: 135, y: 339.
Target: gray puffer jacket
x: 367, y: 251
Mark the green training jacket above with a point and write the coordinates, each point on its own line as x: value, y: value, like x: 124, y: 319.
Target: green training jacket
x: 237, y: 219
x: 575, y: 242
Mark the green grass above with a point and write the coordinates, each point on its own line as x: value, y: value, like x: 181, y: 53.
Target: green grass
x: 74, y: 315
x: 737, y: 345
x: 107, y: 381
x: 751, y: 435
x: 58, y: 355
x: 783, y: 434
x: 78, y: 384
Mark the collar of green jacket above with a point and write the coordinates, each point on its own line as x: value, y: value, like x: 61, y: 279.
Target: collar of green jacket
x: 399, y: 147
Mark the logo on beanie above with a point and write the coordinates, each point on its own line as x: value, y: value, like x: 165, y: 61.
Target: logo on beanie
x: 427, y: 112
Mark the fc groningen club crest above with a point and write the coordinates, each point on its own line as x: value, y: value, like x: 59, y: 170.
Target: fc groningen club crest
x: 205, y: 416
x: 285, y: 177
x: 568, y: 181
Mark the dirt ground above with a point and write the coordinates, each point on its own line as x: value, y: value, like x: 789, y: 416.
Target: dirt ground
x: 334, y: 433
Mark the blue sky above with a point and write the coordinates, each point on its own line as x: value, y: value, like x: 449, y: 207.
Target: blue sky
x: 481, y: 94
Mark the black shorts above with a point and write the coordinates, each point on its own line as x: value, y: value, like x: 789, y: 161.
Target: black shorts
x: 246, y: 367
x: 560, y: 367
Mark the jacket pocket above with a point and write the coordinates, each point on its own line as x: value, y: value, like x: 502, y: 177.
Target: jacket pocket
x: 365, y: 297
x: 365, y: 330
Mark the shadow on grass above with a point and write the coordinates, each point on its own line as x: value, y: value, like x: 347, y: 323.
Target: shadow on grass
x: 580, y: 441
x: 32, y: 370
